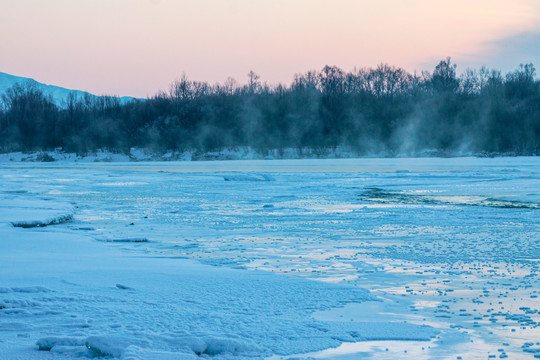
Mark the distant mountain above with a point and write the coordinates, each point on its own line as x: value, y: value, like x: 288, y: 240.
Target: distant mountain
x: 59, y: 94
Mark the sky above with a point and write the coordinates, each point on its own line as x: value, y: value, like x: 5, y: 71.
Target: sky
x: 137, y: 47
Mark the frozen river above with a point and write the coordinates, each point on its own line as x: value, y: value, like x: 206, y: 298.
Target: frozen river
x: 449, y: 243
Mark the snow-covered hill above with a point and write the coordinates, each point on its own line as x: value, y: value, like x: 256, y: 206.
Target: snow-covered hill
x: 59, y: 94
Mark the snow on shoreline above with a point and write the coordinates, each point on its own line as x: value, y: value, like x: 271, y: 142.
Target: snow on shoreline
x: 238, y: 153
x: 64, y: 296
x: 136, y: 154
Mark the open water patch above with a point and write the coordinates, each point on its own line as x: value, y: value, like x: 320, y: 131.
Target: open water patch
x: 379, y: 195
x: 124, y: 240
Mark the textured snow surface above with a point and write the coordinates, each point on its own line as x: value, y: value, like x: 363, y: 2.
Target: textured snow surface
x: 334, y: 259
x: 165, y: 304
x: 26, y: 211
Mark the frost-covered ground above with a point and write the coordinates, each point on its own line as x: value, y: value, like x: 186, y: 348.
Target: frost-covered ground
x: 234, y: 153
x: 334, y: 259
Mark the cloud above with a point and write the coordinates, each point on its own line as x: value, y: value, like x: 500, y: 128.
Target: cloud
x: 505, y: 53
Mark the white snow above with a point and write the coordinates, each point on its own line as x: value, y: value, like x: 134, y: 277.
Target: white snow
x: 27, y: 210
x: 138, y: 155
x: 170, y: 261
x: 109, y: 301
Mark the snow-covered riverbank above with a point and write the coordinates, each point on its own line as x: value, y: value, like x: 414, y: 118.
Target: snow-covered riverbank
x: 236, y: 153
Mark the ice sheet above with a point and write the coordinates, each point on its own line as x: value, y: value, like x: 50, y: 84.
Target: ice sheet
x: 470, y: 271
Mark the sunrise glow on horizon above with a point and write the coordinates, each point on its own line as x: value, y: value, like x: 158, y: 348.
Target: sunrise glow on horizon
x: 137, y: 47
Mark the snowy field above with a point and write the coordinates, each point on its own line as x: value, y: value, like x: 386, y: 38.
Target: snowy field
x: 327, y: 259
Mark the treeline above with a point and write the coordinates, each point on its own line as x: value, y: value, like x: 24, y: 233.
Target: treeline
x: 371, y: 111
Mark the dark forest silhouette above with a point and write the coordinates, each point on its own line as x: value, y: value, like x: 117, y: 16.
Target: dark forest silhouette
x: 384, y: 110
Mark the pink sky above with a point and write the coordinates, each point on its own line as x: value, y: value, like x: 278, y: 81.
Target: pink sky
x: 136, y: 47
